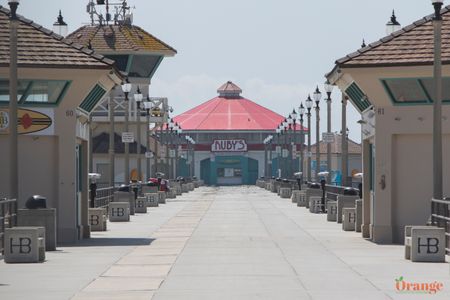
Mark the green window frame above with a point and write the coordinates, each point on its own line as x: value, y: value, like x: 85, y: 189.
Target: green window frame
x: 51, y: 92
x: 92, y: 99
x: 424, y: 86
x: 358, y: 97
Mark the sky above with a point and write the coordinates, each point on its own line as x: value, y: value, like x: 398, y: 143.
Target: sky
x: 277, y: 51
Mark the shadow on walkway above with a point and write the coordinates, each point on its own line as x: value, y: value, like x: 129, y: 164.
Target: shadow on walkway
x: 110, y: 242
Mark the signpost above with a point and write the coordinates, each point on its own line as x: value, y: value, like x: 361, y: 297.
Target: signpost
x: 328, y: 137
x: 127, y: 137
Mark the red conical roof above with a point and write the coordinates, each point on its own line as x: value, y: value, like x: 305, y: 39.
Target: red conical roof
x: 230, y: 113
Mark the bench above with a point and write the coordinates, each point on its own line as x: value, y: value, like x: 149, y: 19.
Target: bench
x: 315, y: 204
x: 24, y: 245
x: 285, y: 193
x: 331, y: 211
x: 119, y: 212
x: 348, y: 219
x: 344, y: 202
x: 425, y: 244
x: 152, y: 199
x: 141, y: 205
x: 97, y: 219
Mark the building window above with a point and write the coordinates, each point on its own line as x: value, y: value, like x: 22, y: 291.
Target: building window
x: 36, y: 91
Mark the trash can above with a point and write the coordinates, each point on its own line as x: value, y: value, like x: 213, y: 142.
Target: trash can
x: 349, y: 191
x: 36, y: 202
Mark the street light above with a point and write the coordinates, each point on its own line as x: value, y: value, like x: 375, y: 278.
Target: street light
x: 301, y: 111
x: 147, y: 107
x: 328, y: 89
x: 317, y: 96
x: 437, y: 105
x: 13, y: 134
x: 126, y: 89
x: 309, y: 105
x: 138, y: 98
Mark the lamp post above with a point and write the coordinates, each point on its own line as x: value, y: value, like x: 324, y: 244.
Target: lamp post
x: 290, y: 148
x: 13, y: 120
x: 328, y: 89
x: 309, y: 105
x: 317, y: 96
x: 179, y: 138
x: 294, y: 118
x: 126, y: 89
x: 277, y: 145
x: 147, y: 107
x: 437, y: 105
x: 285, y: 132
x: 301, y: 111
x: 344, y: 143
x: 138, y: 98
x: 111, y: 151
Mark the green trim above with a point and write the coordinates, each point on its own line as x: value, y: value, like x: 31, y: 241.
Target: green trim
x: 91, y: 100
x: 156, y: 67
x: 129, y: 63
x: 358, y: 97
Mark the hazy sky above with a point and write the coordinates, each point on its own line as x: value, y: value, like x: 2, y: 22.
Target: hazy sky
x: 277, y: 51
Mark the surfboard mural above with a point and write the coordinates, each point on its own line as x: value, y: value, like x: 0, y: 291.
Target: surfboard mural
x: 29, y: 121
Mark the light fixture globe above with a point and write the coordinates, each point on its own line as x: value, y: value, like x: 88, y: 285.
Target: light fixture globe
x: 126, y: 87
x: 317, y: 95
x: 328, y: 87
x: 309, y: 103
x: 301, y: 110
x: 138, y: 96
x: 437, y: 9
x: 294, y: 115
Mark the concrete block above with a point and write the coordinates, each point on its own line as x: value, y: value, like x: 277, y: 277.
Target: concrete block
x: 97, y: 219
x: 40, y: 218
x: 178, y: 190
x: 125, y: 197
x: 119, y: 212
x: 196, y: 184
x: 285, y: 193
x: 315, y: 205
x: 171, y: 194
x: 278, y: 189
x: 312, y: 193
x: 191, y: 186
x: 425, y: 243
x: 184, y: 188
x: 344, y: 202
x: 348, y: 219
x: 301, y: 201
x: 331, y: 211
x: 162, y: 197
x: 295, y: 196
x: 141, y: 205
x: 152, y: 199
x: 358, y: 219
x: 24, y: 245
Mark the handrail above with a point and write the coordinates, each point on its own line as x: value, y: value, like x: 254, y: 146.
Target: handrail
x: 8, y: 218
x: 440, y: 217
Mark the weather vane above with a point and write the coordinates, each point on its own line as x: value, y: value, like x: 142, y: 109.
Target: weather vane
x: 122, y: 15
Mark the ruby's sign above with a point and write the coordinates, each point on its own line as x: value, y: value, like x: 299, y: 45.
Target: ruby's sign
x: 229, y: 146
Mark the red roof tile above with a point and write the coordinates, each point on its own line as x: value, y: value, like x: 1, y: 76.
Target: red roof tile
x: 221, y: 114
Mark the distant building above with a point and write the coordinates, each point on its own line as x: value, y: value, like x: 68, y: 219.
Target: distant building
x: 354, y: 159
x: 229, y: 131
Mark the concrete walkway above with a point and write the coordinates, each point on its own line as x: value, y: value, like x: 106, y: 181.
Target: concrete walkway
x: 223, y: 243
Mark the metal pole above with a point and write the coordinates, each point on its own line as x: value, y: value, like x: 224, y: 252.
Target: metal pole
x: 269, y: 165
x: 147, y: 140
x: 111, y: 140
x: 127, y: 145
x: 91, y: 145
x: 265, y: 159
x: 317, y: 143
x: 329, y: 132
x: 139, y: 143
x: 344, y: 145
x: 295, y: 147
x: 13, y: 119
x: 437, y: 109
x: 167, y: 152
x: 301, y: 145
x: 309, y: 145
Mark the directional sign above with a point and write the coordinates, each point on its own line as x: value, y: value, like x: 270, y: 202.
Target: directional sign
x: 127, y: 137
x: 148, y: 154
x: 328, y: 138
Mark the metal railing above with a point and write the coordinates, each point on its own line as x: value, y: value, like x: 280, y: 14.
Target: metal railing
x: 103, y: 197
x: 8, y: 219
x: 440, y: 216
